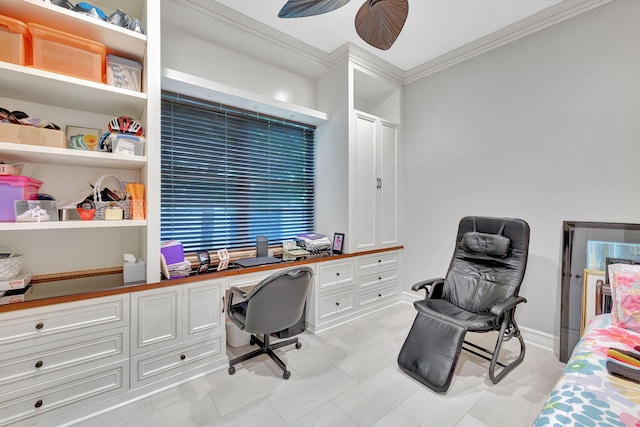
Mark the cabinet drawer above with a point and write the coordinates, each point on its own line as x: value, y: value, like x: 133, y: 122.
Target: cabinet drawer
x: 335, y: 304
x: 176, y: 360
x: 34, y: 365
x: 378, y: 295
x: 77, y: 390
x: 381, y: 261
x: 335, y: 274
x: 380, y: 278
x: 40, y: 326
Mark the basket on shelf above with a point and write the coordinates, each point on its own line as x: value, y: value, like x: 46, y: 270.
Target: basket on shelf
x: 9, y: 266
x: 101, y: 206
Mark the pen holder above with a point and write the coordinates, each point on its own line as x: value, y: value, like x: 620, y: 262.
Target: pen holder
x: 137, y: 209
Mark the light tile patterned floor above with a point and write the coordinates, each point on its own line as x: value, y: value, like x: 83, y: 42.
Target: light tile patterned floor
x: 348, y: 376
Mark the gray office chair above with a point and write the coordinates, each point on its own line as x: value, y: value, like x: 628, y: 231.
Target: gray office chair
x: 275, y: 304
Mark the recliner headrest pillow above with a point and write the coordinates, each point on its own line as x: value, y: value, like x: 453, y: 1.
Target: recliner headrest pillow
x: 494, y: 245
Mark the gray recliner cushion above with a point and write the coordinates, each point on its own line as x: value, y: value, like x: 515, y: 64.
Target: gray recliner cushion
x: 493, y: 245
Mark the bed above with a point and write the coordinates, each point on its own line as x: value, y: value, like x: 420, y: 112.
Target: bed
x: 586, y: 394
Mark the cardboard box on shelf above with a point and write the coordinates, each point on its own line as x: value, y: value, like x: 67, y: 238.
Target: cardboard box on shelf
x: 21, y: 134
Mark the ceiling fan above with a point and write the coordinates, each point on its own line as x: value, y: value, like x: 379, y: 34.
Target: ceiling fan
x: 378, y: 22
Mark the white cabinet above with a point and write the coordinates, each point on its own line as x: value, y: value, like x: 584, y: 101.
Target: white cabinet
x: 175, y: 330
x: 350, y: 288
x: 359, y: 156
x: 71, y: 101
x: 63, y: 356
x: 374, y: 198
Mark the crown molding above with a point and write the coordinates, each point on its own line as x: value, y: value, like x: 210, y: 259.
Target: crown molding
x: 539, y: 21
x: 314, y: 62
x: 231, y: 18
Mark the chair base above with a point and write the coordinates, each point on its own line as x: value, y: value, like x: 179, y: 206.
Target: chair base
x: 265, y: 348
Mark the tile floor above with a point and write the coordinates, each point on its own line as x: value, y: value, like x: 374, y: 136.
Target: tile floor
x: 348, y: 376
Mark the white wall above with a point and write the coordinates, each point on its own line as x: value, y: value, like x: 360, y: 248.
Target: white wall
x: 187, y: 53
x: 546, y: 129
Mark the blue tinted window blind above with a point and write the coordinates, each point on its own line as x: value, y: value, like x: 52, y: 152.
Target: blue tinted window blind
x: 230, y: 175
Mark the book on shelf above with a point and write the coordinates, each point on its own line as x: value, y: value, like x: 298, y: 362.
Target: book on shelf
x: 18, y: 282
x: 15, y: 295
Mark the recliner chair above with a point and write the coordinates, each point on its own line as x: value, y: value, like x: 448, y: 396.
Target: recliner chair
x: 273, y: 305
x: 478, y: 294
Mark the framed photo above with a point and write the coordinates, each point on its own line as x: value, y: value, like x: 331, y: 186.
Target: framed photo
x: 81, y: 138
x: 36, y: 210
x: 589, y: 279
x: 223, y: 256
x: 338, y: 243
x: 204, y: 261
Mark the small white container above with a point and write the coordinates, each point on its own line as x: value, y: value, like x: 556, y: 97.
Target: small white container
x: 235, y: 336
x: 124, y: 73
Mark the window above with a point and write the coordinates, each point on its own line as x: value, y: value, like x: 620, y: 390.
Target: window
x: 230, y: 175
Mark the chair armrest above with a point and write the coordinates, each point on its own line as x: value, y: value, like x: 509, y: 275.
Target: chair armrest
x: 439, y: 281
x: 508, y: 304
x: 235, y: 291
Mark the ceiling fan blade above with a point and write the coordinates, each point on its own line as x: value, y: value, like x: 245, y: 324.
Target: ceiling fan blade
x: 300, y: 8
x: 379, y: 22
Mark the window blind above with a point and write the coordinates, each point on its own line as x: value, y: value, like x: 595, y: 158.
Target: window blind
x: 229, y: 175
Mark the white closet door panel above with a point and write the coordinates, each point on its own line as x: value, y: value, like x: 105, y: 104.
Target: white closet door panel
x: 364, y: 220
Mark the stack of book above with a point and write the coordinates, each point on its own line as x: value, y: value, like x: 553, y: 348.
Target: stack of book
x: 15, y: 289
x: 172, y: 260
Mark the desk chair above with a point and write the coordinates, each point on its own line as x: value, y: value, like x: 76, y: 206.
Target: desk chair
x: 275, y: 304
x: 478, y: 294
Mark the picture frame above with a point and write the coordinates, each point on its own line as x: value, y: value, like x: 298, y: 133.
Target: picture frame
x: 36, y: 210
x: 338, y: 243
x: 223, y: 256
x: 83, y: 138
x: 204, y: 261
x: 589, y: 280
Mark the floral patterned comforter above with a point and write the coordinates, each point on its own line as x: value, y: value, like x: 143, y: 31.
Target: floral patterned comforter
x: 586, y: 395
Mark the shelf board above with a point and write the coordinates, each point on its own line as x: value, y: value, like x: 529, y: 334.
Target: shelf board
x: 21, y: 153
x: 67, y: 225
x: 119, y: 41
x: 208, y: 90
x: 45, y: 87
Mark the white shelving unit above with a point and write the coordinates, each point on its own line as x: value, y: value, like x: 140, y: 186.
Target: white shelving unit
x: 80, y: 101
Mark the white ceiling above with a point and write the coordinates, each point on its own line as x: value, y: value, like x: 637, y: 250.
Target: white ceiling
x: 433, y: 28
x: 437, y: 33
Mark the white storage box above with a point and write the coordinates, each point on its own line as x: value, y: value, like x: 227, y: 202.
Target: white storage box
x: 235, y: 336
x: 124, y: 73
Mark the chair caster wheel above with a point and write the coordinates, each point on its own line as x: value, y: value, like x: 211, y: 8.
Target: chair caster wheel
x: 232, y: 370
x: 252, y: 341
x: 298, y: 345
x: 286, y: 375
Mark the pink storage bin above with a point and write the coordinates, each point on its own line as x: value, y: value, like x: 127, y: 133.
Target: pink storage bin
x: 14, y: 188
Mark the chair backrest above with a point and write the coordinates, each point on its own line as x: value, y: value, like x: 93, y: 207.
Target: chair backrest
x: 488, y: 263
x: 277, y: 302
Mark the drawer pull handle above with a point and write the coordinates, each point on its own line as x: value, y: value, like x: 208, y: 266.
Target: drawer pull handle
x: 39, y: 364
x: 379, y: 278
x: 40, y: 326
x: 38, y: 404
x: 337, y: 302
x: 379, y: 260
x: 182, y: 357
x: 337, y: 274
x: 380, y: 295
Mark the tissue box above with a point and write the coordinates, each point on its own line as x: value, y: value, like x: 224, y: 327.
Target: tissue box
x: 134, y: 271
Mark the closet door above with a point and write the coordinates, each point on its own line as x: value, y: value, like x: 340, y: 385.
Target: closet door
x: 388, y: 188
x: 366, y: 181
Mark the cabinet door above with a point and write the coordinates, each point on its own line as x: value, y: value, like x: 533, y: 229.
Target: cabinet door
x: 156, y: 319
x: 363, y: 219
x: 388, y: 191
x: 202, y: 309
